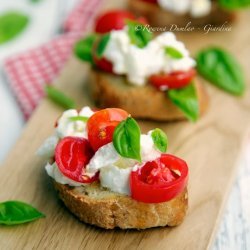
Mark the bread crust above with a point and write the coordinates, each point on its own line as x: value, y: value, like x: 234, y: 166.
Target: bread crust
x: 114, y: 210
x: 158, y: 17
x: 145, y: 102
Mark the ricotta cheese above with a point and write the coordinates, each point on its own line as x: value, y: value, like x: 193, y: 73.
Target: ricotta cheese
x: 114, y: 169
x: 140, y: 63
x: 196, y: 8
x: 54, y: 172
x: 66, y: 127
x: 47, y: 149
x: 116, y: 179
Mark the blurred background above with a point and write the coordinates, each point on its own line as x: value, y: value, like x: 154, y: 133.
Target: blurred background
x: 44, y: 21
x: 54, y: 26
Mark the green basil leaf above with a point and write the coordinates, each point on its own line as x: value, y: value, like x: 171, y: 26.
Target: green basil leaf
x: 221, y: 69
x: 84, y: 47
x: 12, y: 23
x: 234, y: 4
x: 102, y: 44
x: 139, y: 37
x: 17, y: 212
x: 160, y: 139
x: 79, y: 118
x: 126, y: 139
x: 59, y: 98
x: 173, y: 52
x: 186, y: 99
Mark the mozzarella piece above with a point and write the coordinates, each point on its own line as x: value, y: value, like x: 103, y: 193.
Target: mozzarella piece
x: 196, y: 8
x: 116, y: 179
x: 66, y: 127
x: 140, y: 63
x: 55, y: 173
x: 47, y: 149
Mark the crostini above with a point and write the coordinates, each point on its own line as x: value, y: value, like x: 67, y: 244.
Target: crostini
x: 152, y: 77
x: 110, y: 175
x: 165, y: 13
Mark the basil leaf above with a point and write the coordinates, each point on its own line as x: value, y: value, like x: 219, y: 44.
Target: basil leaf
x: 17, y: 212
x: 84, y: 47
x: 12, y: 23
x: 173, y: 52
x: 78, y: 118
x: 186, y: 99
x: 222, y: 69
x: 59, y: 98
x: 126, y: 139
x: 160, y: 139
x: 102, y: 44
x: 234, y: 4
x: 139, y: 37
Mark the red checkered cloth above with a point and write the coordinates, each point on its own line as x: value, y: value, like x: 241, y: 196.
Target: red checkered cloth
x: 30, y: 71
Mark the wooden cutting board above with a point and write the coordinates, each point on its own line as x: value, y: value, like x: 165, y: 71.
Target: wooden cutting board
x: 211, y: 147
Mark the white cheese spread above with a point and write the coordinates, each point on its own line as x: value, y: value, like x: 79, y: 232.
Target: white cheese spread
x: 196, y: 8
x: 47, y: 150
x: 54, y: 172
x: 116, y: 179
x: 67, y: 127
x: 140, y: 63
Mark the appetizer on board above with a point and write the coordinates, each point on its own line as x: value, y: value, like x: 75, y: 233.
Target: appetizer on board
x: 167, y: 13
x: 111, y: 175
x: 151, y: 77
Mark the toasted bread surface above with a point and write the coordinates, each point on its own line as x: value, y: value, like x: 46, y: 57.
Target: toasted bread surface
x: 144, y: 102
x: 109, y: 210
x: 158, y: 17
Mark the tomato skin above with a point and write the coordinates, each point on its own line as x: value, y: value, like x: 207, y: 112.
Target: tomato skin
x: 101, y: 126
x: 72, y: 154
x: 160, y: 190
x: 103, y: 64
x: 174, y: 80
x: 112, y: 20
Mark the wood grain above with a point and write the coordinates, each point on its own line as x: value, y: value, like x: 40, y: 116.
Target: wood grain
x: 211, y: 147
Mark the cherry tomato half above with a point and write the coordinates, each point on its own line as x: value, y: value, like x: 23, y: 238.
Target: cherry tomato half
x: 101, y: 126
x: 159, y: 180
x: 72, y: 154
x: 172, y: 81
x: 114, y: 20
x: 103, y: 64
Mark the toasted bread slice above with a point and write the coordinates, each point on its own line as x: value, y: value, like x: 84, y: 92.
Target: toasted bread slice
x: 106, y: 209
x: 144, y: 102
x: 158, y: 17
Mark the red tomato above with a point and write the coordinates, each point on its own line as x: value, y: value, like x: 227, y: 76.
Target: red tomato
x: 101, y: 126
x: 103, y: 64
x: 72, y: 154
x: 159, y: 180
x: 112, y: 20
x: 174, y: 80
